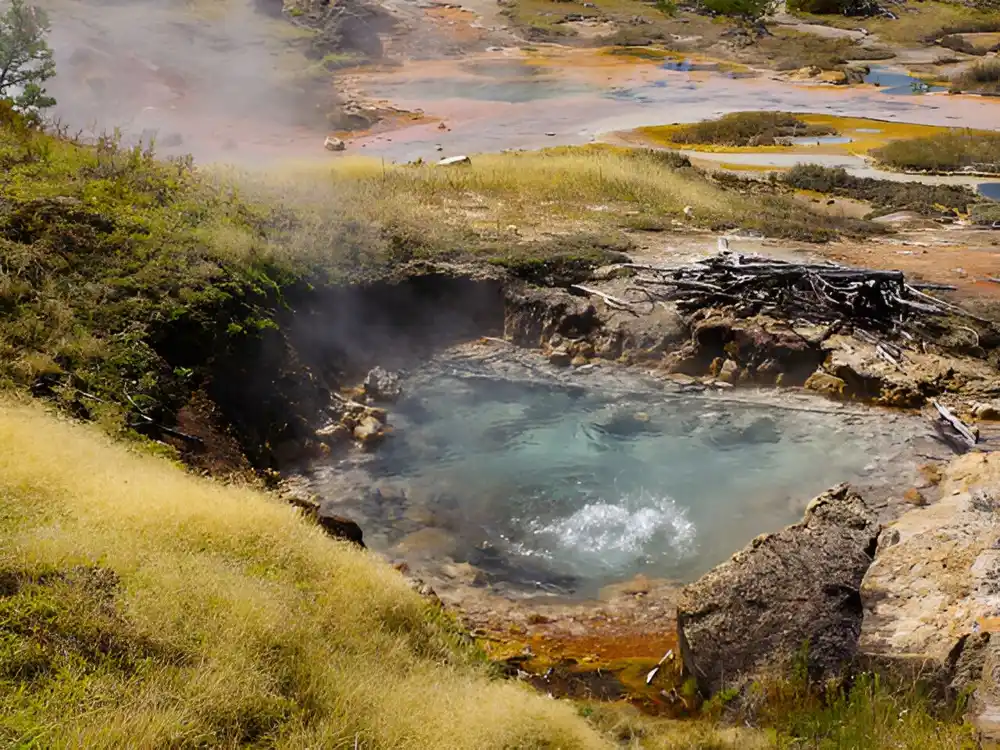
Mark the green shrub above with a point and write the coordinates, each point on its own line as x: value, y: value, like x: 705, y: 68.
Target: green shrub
x: 747, y: 129
x: 987, y: 212
x: 884, y: 195
x: 745, y: 10
x: 834, y: 7
x: 951, y: 151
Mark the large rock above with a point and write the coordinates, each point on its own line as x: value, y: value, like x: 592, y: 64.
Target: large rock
x: 764, y: 348
x: 341, y: 528
x: 783, y: 590
x: 382, y: 385
x: 369, y: 431
x: 534, y: 316
x: 869, y: 377
x: 932, y: 597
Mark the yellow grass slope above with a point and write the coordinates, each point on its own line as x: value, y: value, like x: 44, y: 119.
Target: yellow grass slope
x: 142, y: 607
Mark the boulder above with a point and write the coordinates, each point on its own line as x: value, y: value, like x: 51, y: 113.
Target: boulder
x: 369, y: 430
x: 382, y: 385
x: 932, y: 595
x: 729, y: 372
x: 560, y: 356
x: 334, y: 144
x: 828, y: 385
x: 535, y: 316
x: 800, y: 585
x: 333, y: 434
x: 987, y: 411
x: 341, y: 528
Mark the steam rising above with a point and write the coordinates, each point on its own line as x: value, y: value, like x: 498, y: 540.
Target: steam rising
x: 218, y: 78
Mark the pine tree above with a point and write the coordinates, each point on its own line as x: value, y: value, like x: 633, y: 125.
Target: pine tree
x: 25, y: 57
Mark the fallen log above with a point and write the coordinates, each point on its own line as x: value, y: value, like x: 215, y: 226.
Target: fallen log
x: 609, y: 300
x: 957, y: 424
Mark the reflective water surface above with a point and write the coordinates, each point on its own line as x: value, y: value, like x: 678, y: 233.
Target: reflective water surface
x: 544, y: 483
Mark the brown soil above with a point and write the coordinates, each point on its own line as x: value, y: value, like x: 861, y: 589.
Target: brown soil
x: 964, y: 258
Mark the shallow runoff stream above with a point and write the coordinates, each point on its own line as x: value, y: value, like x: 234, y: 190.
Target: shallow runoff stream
x: 564, y: 481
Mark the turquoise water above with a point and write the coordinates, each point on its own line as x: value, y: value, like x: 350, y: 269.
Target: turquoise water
x: 568, y: 487
x: 898, y: 82
x: 990, y: 190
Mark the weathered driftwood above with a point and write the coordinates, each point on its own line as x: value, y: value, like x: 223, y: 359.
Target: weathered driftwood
x: 881, y: 302
x: 957, y: 424
x: 609, y: 300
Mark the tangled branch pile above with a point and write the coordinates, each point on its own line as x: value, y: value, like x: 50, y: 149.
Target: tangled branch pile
x: 880, y: 302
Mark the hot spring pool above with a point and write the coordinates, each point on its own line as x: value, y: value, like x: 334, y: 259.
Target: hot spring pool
x: 544, y: 483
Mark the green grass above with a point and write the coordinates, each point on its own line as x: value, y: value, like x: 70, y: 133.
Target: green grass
x: 883, y: 195
x: 951, y: 151
x: 869, y: 713
x: 980, y: 78
x: 106, y: 250
x: 143, y: 607
x: 746, y: 129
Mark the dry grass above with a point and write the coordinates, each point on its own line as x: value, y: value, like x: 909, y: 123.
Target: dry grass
x: 522, y: 197
x: 980, y: 78
x: 142, y: 607
x: 788, y: 49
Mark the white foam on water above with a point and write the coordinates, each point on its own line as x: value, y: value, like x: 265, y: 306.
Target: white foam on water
x: 641, y: 527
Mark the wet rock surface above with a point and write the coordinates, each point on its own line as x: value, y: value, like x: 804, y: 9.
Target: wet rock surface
x: 801, y: 584
x: 382, y: 385
x: 743, y: 348
x: 342, y: 528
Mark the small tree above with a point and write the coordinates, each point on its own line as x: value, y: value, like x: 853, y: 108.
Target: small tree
x: 25, y: 57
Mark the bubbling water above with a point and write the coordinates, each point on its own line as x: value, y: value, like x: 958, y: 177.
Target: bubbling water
x: 542, y: 478
x: 607, y: 537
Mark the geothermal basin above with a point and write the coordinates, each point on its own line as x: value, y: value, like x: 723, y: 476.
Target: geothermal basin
x: 563, y: 481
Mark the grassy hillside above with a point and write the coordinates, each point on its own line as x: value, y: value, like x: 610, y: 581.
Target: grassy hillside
x: 142, y: 607
x: 130, y: 283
